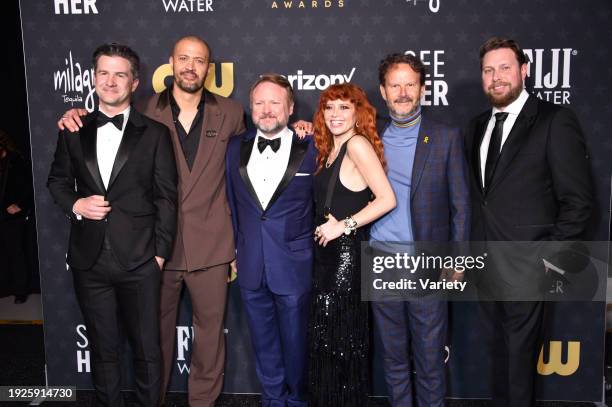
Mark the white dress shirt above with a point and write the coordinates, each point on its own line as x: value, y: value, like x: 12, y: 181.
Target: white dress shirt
x: 513, y: 110
x: 266, y: 169
x: 107, y: 144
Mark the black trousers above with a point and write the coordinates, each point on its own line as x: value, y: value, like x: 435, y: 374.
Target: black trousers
x: 110, y: 297
x: 514, y: 337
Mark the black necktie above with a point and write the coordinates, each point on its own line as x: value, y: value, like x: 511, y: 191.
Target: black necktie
x: 117, y: 120
x: 262, y: 143
x: 494, y: 146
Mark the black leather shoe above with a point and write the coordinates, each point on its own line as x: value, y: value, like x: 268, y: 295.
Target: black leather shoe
x: 20, y: 299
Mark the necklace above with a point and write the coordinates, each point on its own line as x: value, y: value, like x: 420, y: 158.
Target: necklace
x: 329, y: 162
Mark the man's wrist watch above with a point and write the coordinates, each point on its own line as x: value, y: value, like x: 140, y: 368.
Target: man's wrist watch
x: 350, y: 225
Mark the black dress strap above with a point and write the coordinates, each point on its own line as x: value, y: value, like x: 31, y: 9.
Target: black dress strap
x: 333, y: 179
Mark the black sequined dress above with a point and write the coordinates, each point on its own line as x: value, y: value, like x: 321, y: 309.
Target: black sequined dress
x: 339, y: 344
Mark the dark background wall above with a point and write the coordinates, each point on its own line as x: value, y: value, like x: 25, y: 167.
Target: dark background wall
x: 14, y: 115
x: 567, y: 40
x: 13, y: 104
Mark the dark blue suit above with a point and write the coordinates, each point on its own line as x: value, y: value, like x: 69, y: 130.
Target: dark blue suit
x: 440, y: 212
x: 274, y: 252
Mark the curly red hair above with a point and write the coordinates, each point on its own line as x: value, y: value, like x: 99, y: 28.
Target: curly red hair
x: 365, y: 125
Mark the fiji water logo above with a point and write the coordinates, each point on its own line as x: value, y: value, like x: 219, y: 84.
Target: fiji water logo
x: 550, y: 73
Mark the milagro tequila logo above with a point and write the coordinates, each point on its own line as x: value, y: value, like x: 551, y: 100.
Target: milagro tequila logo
x: 550, y: 73
x: 436, y: 87
x: 75, y: 83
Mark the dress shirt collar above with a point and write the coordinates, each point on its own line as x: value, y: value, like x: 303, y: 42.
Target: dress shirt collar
x: 284, y: 134
x: 176, y: 109
x: 515, y: 107
x: 126, y: 116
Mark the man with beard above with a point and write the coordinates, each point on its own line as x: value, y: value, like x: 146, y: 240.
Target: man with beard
x: 530, y: 181
x: 429, y: 176
x: 201, y: 124
x: 270, y: 188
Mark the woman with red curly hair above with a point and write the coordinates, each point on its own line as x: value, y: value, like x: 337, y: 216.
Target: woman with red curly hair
x: 351, y: 190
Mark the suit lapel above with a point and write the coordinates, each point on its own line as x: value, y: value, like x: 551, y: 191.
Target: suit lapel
x: 296, y: 157
x: 133, y: 131
x: 211, y: 125
x: 246, y: 146
x: 481, y: 126
x: 421, y: 154
x: 89, y: 136
x: 514, y: 142
x: 163, y: 114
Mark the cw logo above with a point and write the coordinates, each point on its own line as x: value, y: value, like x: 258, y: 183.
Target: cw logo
x: 554, y: 364
x: 226, y: 78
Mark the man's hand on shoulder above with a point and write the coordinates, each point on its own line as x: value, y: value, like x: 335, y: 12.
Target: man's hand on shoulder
x: 93, y: 207
x: 302, y: 128
x: 71, y: 120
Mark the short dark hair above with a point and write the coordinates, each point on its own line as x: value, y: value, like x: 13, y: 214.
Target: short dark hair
x: 494, y: 43
x: 276, y: 79
x: 393, y: 59
x: 118, y: 50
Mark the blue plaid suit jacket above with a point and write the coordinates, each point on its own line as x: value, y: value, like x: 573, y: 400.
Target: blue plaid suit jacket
x: 439, y: 195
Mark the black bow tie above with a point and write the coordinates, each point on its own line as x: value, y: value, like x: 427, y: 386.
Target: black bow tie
x: 117, y: 120
x: 262, y: 143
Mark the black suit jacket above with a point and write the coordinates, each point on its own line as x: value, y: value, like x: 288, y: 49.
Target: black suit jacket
x: 142, y: 192
x: 541, y: 188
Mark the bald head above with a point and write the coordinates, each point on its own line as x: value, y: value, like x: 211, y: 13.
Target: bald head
x: 190, y: 38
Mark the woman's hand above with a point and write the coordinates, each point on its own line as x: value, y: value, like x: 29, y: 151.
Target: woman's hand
x: 330, y: 230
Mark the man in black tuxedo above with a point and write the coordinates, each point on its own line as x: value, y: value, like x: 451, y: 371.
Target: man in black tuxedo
x: 530, y: 182
x: 117, y: 184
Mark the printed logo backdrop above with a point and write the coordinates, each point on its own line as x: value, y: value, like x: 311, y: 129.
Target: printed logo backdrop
x: 317, y: 43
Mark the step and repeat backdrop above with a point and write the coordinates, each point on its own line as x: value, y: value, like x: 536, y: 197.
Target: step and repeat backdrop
x: 316, y: 43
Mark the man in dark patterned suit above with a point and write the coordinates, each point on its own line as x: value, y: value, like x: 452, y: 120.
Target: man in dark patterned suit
x: 428, y: 173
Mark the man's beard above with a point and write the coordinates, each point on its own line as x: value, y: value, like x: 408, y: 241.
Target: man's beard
x: 394, y: 112
x: 270, y: 129
x: 504, y: 100
x: 192, y: 87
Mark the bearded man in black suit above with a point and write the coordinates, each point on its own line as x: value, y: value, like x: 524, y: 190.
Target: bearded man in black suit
x: 530, y: 181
